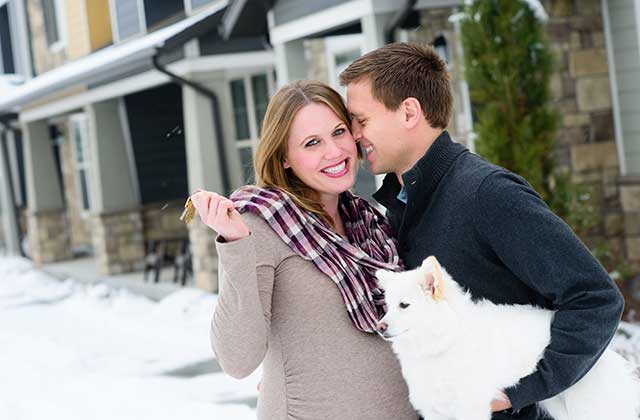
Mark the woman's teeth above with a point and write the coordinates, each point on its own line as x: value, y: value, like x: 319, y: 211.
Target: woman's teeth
x: 336, y: 169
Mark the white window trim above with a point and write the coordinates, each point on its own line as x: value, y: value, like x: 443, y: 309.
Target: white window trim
x: 245, y: 76
x: 85, y: 165
x: 61, y: 19
x: 613, y: 84
x: 467, y: 116
x: 637, y: 8
x: 20, y: 39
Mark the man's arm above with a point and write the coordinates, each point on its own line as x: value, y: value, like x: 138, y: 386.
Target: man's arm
x: 543, y: 252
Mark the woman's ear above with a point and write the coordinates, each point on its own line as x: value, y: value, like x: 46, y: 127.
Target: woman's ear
x: 285, y: 164
x: 412, y: 112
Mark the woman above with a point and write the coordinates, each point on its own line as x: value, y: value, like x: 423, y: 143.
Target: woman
x: 296, y: 294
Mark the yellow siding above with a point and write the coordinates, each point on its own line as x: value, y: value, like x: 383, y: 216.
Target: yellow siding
x: 99, y: 17
x: 78, y: 38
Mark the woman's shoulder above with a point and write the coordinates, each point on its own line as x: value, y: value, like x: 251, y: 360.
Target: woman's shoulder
x: 264, y: 237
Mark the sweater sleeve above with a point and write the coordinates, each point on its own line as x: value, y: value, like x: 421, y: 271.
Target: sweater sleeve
x: 241, y: 320
x: 544, y: 253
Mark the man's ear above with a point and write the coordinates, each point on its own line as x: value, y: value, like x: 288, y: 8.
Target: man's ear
x: 431, y: 280
x: 412, y: 112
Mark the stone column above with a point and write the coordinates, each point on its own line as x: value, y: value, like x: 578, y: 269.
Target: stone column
x: 630, y: 198
x: 204, y: 166
x: 46, y: 221
x: 117, y: 229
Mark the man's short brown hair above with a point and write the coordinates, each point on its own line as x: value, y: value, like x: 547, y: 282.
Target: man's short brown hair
x: 401, y: 70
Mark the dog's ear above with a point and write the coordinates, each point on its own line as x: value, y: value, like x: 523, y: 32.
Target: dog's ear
x: 432, y: 280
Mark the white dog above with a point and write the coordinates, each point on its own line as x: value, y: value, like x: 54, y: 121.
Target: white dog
x: 457, y: 355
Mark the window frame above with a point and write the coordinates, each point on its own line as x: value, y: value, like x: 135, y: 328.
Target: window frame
x: 60, y: 19
x: 115, y: 28
x: 76, y: 121
x: 254, y: 136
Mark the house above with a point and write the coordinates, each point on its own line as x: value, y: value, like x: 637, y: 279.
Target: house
x: 596, y: 85
x: 133, y: 105
x: 130, y: 105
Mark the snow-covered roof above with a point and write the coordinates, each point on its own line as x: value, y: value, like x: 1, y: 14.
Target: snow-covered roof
x: 105, y: 61
x: 9, y: 82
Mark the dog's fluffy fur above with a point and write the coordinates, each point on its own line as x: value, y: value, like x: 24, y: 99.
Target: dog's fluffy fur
x: 457, y: 355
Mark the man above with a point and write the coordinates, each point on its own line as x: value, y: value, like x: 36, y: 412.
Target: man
x: 486, y: 225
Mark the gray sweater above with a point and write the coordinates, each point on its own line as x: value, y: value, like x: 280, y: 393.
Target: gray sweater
x: 277, y: 309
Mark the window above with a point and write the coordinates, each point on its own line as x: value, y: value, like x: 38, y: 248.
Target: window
x: 80, y: 138
x: 127, y: 18
x: 194, y: 4
x: 52, y: 14
x: 341, y: 51
x: 6, y: 50
x: 158, y: 11
x: 250, y: 97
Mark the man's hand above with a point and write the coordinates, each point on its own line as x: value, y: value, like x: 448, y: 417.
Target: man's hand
x: 501, y: 403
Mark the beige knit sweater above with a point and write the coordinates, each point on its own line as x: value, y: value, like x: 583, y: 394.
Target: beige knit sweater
x: 277, y: 309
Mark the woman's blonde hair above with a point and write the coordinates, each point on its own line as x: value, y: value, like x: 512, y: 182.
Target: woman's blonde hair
x: 272, y: 149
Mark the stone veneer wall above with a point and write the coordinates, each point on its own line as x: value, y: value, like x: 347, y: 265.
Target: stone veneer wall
x: 162, y: 221
x: 316, y: 58
x: 118, y: 242
x: 43, y: 58
x: 205, y: 259
x: 48, y: 236
x: 630, y: 198
x: 582, y: 94
x: 433, y: 23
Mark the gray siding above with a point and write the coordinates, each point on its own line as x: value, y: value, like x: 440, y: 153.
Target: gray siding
x: 287, y: 10
x: 626, y: 55
x: 128, y: 17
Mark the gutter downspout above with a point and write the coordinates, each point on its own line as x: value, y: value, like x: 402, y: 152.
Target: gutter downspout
x: 226, y: 184
x: 397, y: 20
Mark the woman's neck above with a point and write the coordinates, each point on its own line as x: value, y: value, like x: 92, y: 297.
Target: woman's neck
x: 330, y: 205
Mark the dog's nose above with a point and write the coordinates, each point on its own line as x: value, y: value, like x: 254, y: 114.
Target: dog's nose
x: 382, y: 326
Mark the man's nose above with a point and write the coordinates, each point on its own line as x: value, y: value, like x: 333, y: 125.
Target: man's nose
x: 356, y: 130
x: 382, y: 327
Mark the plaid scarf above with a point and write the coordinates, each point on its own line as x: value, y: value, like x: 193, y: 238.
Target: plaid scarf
x: 352, y: 268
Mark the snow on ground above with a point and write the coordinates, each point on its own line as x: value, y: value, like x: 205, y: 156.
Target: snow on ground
x: 73, y: 351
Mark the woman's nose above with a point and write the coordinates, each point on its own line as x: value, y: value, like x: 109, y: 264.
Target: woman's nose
x: 332, y: 150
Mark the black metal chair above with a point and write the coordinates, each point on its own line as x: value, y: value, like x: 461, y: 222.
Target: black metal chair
x: 183, y: 265
x: 154, y: 258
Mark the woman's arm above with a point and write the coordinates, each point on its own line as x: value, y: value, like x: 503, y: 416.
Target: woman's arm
x: 240, y: 325
x: 241, y: 321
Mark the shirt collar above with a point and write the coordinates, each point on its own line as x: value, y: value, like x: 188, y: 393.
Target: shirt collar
x: 423, y: 178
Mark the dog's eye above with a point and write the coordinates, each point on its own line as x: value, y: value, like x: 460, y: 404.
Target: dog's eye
x: 403, y: 305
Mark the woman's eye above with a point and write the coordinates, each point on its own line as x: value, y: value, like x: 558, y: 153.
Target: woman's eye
x: 311, y: 142
x: 403, y: 305
x: 339, y: 132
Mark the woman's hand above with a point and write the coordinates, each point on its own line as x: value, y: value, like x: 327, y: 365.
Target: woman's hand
x: 218, y: 213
